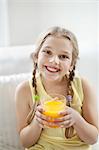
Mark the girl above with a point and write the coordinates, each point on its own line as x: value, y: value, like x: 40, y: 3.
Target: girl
x: 55, y: 58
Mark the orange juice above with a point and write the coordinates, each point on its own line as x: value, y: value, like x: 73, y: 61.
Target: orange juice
x: 53, y: 107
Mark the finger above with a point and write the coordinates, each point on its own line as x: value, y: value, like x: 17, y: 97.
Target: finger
x: 66, y: 117
x: 44, y: 123
x: 52, y: 124
x: 63, y: 113
x: 41, y: 121
x: 65, y: 124
x: 40, y: 115
x: 67, y: 111
x: 39, y: 108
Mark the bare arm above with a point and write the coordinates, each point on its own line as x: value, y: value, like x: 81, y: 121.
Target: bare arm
x: 87, y: 127
x: 29, y: 134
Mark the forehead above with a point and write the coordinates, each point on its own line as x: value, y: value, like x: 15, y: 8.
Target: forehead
x: 58, y: 43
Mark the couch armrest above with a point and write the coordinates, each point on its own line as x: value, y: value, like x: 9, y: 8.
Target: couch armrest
x: 9, y: 138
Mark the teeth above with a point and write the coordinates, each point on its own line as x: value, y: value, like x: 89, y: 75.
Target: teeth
x: 52, y: 69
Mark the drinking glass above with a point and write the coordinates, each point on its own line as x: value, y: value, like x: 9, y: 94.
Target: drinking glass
x: 53, y: 105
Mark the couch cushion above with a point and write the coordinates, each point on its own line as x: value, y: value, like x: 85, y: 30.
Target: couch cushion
x: 9, y: 138
x: 16, y: 59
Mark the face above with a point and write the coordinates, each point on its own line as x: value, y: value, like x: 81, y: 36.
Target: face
x: 54, y: 58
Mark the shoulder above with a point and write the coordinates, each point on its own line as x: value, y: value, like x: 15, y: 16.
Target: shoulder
x: 88, y: 88
x: 22, y: 92
x: 90, y: 99
x: 23, y: 87
x: 84, y: 82
x: 85, y: 88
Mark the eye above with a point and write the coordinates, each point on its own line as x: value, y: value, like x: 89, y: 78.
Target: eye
x: 47, y: 52
x: 62, y: 57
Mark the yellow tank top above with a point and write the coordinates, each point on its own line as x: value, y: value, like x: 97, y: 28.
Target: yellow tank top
x: 54, y: 138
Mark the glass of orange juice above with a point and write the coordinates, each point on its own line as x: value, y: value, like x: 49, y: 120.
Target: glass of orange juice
x: 53, y: 105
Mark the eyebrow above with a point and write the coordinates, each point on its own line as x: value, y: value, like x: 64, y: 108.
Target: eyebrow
x: 63, y: 51
x: 47, y: 47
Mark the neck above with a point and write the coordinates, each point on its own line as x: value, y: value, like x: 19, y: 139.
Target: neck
x: 54, y: 82
x: 55, y: 86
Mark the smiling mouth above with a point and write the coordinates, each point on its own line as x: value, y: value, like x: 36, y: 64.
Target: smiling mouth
x: 52, y: 69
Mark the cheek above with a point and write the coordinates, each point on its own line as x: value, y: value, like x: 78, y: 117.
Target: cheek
x: 41, y: 61
x: 67, y: 65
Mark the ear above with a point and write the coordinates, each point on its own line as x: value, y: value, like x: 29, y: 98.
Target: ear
x: 34, y: 57
x: 71, y: 68
x: 72, y: 65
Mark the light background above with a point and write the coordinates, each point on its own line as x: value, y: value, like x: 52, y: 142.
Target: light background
x: 21, y: 22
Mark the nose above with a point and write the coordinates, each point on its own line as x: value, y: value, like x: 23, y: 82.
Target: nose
x: 54, y: 59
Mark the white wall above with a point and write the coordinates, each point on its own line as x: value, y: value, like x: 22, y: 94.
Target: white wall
x: 4, y: 28
x: 98, y: 46
x: 27, y: 18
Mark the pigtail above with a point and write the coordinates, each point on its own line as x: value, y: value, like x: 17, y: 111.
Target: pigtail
x: 32, y: 112
x: 34, y: 79
x: 69, y: 86
x: 69, y: 131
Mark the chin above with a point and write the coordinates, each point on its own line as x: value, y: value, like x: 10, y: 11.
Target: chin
x: 48, y: 77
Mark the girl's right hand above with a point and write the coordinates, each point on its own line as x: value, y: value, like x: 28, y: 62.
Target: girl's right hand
x: 41, y: 118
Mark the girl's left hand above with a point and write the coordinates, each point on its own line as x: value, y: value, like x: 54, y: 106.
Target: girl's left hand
x: 68, y: 119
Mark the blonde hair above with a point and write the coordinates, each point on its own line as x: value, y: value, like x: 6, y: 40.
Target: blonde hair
x: 58, y: 32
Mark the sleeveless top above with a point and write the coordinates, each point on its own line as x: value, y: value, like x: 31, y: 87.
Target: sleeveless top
x: 54, y: 138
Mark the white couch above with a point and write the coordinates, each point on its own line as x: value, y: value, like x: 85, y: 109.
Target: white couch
x: 13, y: 60
x: 9, y: 138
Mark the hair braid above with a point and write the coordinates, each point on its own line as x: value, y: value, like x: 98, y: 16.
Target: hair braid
x: 69, y: 86
x: 32, y: 112
x: 34, y: 79
x: 69, y: 131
